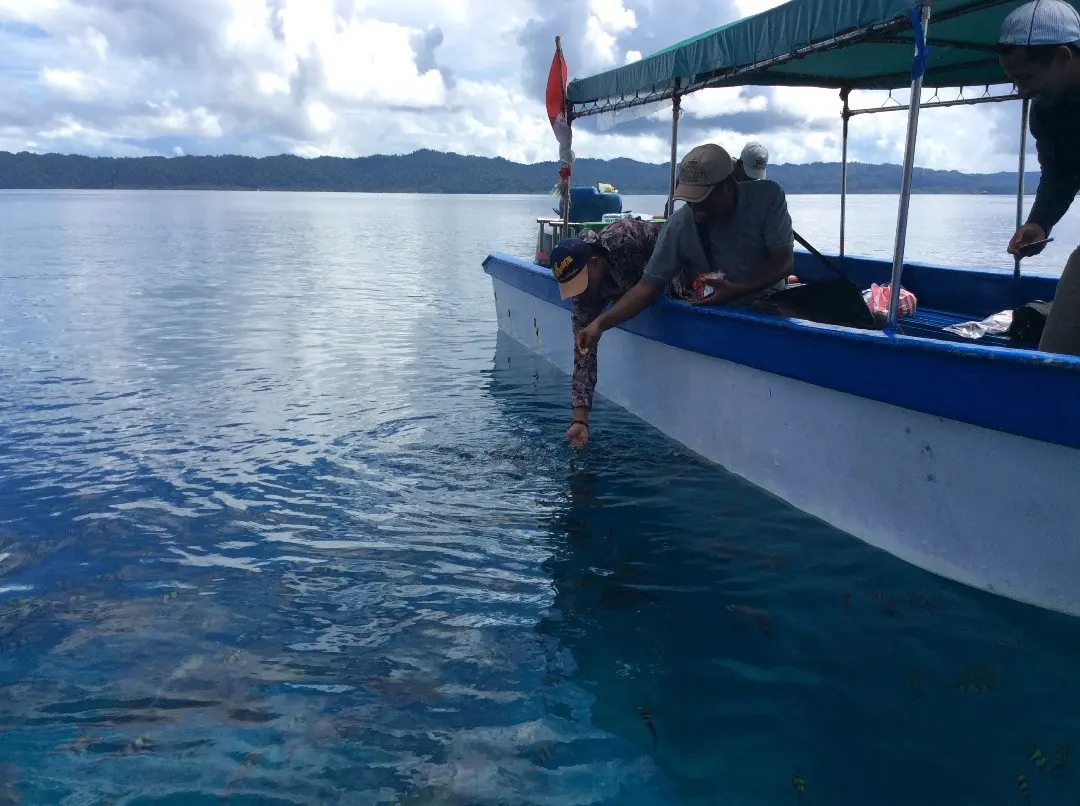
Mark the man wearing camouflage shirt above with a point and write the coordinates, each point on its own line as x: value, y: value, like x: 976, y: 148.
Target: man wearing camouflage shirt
x: 595, y: 270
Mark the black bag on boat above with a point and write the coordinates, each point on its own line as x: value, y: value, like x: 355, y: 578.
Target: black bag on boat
x: 1027, y: 325
x: 827, y: 302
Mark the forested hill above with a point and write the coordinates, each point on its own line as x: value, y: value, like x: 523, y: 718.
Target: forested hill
x: 438, y: 172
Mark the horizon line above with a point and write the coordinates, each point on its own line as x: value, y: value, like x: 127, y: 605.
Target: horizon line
x: 471, y: 156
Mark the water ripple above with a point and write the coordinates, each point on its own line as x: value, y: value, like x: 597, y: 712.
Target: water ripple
x: 284, y: 522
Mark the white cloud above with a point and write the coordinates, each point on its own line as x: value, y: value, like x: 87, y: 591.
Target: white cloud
x: 355, y: 77
x: 613, y: 15
x: 72, y: 83
x: 606, y: 19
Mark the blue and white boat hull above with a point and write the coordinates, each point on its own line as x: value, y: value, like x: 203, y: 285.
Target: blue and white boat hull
x: 956, y: 458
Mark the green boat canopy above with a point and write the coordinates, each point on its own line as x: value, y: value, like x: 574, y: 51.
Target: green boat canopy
x: 854, y: 44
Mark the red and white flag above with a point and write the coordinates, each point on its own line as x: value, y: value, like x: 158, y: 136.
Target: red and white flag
x: 556, y: 110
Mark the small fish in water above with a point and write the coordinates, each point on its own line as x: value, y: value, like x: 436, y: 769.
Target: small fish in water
x: 646, y: 717
x: 9, y: 795
x: 847, y: 602
x: 1061, y: 760
x: 752, y: 615
x: 731, y: 549
x: 140, y: 745
x: 1038, y: 759
x: 776, y: 563
x: 799, y: 783
x: 570, y: 610
x: 979, y: 681
x: 544, y: 753
x: 1022, y: 782
x: 915, y: 681
x: 82, y: 743
x: 921, y: 602
x: 887, y: 607
x: 242, y: 769
x: 622, y: 596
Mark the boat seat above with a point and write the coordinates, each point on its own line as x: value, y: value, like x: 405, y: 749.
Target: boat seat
x: 930, y: 323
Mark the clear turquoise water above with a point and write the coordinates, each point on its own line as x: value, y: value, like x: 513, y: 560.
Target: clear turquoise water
x: 282, y: 520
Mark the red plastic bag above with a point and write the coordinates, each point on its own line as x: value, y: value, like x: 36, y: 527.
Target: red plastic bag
x: 702, y: 289
x: 877, y: 298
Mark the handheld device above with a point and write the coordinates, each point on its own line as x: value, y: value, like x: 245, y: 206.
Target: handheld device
x: 1026, y: 248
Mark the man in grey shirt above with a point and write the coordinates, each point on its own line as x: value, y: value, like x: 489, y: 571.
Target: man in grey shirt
x: 748, y: 228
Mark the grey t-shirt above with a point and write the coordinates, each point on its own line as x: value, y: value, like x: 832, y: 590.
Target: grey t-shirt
x: 741, y: 241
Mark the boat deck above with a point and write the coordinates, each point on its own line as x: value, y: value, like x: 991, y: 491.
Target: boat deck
x: 930, y: 323
x: 945, y: 296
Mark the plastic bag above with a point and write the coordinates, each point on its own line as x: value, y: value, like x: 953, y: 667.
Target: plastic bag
x: 877, y: 299
x: 995, y: 324
x: 701, y: 287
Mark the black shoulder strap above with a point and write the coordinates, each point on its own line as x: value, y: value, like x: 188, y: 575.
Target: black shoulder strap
x: 809, y: 248
x: 706, y: 241
x: 706, y: 245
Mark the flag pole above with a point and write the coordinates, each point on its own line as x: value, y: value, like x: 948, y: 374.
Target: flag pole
x: 566, y: 114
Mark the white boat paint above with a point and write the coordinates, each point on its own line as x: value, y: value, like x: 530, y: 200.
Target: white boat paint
x: 993, y: 510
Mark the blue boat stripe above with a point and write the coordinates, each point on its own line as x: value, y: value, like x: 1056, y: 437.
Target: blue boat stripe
x: 1021, y: 392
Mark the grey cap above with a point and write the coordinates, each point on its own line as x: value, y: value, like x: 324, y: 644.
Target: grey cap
x: 1042, y: 22
x: 755, y: 160
x: 702, y: 169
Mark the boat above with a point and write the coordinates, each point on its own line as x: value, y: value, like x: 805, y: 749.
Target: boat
x: 959, y: 456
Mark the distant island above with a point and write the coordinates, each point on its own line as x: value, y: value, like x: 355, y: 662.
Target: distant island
x: 427, y: 171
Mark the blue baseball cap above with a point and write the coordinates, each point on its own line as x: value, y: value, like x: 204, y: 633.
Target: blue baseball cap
x: 1042, y: 22
x: 568, y: 263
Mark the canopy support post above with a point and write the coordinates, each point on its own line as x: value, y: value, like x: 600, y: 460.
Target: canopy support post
x: 846, y: 114
x: 917, y: 71
x: 676, y: 109
x: 1024, y: 107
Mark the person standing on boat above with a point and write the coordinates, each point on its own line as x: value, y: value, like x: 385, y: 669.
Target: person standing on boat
x: 595, y: 269
x: 753, y: 163
x: 749, y: 230
x: 1039, y: 49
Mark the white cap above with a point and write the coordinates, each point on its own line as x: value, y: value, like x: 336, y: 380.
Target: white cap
x: 1042, y: 22
x: 755, y: 160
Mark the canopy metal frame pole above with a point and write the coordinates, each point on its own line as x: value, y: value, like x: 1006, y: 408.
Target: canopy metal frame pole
x: 846, y: 114
x: 676, y: 111
x: 982, y: 99
x: 905, y: 185
x: 1024, y: 109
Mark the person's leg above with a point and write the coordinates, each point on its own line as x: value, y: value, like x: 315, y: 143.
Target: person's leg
x: 1062, y: 331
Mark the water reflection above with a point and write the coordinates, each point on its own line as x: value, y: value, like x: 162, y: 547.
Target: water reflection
x: 277, y: 529
x: 776, y: 657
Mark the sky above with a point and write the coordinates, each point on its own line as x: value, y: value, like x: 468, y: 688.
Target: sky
x: 356, y: 77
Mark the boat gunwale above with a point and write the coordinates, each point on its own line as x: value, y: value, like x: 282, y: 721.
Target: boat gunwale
x: 997, y: 408
x: 1012, y: 354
